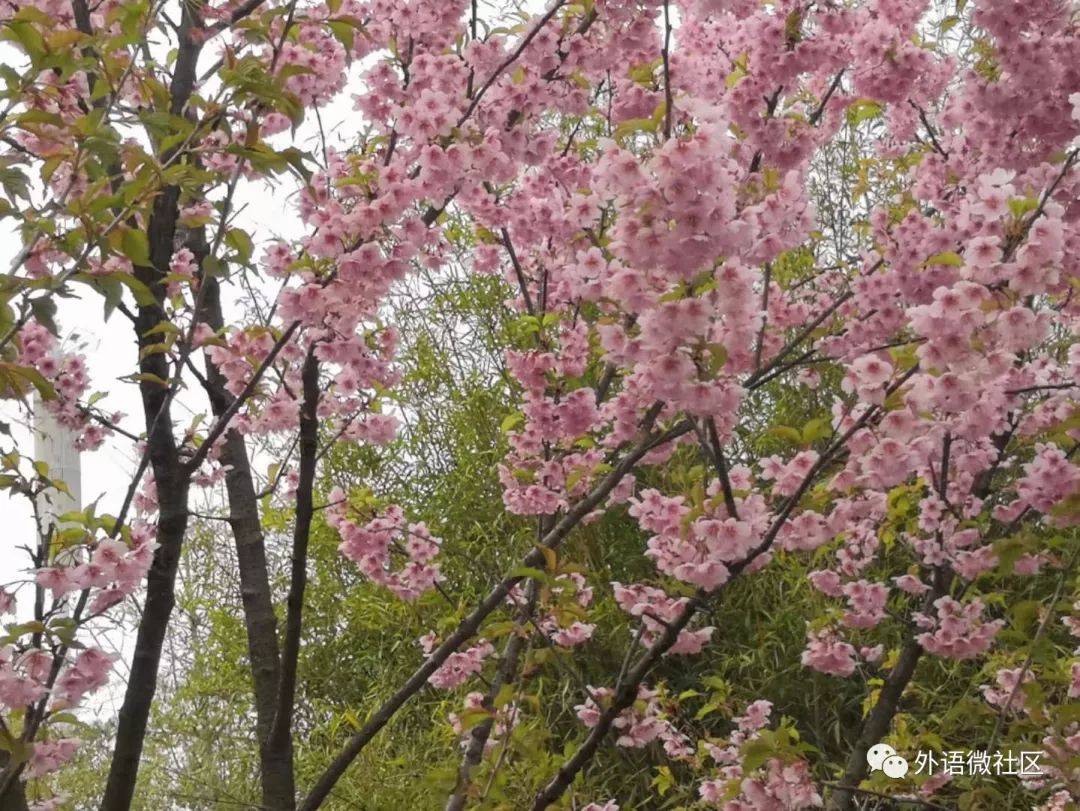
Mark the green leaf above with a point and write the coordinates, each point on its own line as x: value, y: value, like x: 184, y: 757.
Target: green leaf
x: 531, y: 572
x: 643, y: 74
x: 7, y: 318
x: 551, y: 558
x: 503, y: 697
x: 148, y: 377
x: 511, y: 421
x: 15, y: 183
x: 295, y: 159
x: 471, y: 717
x: 344, y: 32
x: 755, y: 753
x: 787, y: 432
x: 948, y: 23
x: 111, y: 290
x: 19, y: 750
x: 1024, y: 614
x: 16, y: 380
x: 1066, y: 713
x: 663, y: 780
x: 141, y: 293
x: 1008, y: 551
x: 44, y: 312
x: 950, y: 258
x: 793, y: 26
x: 863, y: 110
x: 1019, y: 206
x: 737, y: 74
x: 64, y: 717
x: 718, y: 356
x: 135, y: 246
x: 26, y: 36
x: 353, y: 720
x: 70, y: 536
x: 294, y: 70
x: 240, y: 241
x: 163, y: 328
x: 155, y: 349
x: 574, y: 477
x: 497, y: 630
x: 31, y: 627
x: 213, y: 267
x: 815, y: 429
x: 633, y: 126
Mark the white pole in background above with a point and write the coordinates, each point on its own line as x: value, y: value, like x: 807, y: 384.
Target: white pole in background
x: 55, y: 446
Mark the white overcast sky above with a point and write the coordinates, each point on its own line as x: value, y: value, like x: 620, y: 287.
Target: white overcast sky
x: 111, y: 353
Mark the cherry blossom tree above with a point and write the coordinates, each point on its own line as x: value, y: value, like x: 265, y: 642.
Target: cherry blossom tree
x: 644, y: 176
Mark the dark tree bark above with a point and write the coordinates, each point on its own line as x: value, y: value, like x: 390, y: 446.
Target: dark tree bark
x: 876, y: 726
x: 173, y: 482
x: 14, y: 798
x: 280, y: 741
x: 505, y: 674
x: 276, y: 768
x: 172, y: 477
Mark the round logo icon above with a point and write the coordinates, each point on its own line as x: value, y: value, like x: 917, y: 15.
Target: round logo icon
x: 894, y: 766
x: 876, y: 755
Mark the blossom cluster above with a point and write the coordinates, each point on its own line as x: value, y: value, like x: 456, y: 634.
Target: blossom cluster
x: 373, y: 546
x: 639, y: 725
x: 775, y: 786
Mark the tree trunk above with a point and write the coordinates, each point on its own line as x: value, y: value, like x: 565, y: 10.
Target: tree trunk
x: 14, y: 798
x: 276, y: 768
x: 876, y: 726
x: 171, y: 476
x: 279, y: 744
